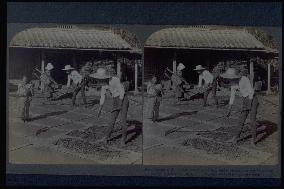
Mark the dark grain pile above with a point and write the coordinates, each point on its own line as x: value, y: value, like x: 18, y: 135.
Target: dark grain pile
x: 83, y: 147
x: 223, y: 134
x: 90, y: 135
x: 228, y: 151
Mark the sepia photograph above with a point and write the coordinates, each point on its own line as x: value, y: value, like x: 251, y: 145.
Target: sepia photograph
x: 75, y: 95
x: 142, y: 94
x: 211, y: 96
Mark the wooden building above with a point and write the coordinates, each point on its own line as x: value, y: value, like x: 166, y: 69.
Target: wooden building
x: 206, y: 46
x: 74, y: 45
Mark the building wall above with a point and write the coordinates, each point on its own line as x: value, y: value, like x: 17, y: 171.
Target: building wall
x: 156, y: 61
x: 22, y: 61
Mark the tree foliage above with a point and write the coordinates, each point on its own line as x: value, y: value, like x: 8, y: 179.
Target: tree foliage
x: 263, y: 37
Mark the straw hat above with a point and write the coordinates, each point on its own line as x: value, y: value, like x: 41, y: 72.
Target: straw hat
x: 199, y: 67
x: 231, y: 73
x: 101, y: 74
x: 244, y: 72
x: 180, y: 66
x: 68, y: 67
x: 49, y: 66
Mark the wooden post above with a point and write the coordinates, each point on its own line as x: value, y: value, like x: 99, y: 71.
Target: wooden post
x: 268, y: 78
x: 42, y: 70
x: 74, y: 61
x: 136, y: 76
x: 118, y: 66
x: 251, y: 72
x: 174, y: 65
x: 42, y: 61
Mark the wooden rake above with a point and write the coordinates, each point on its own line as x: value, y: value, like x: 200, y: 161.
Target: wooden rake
x: 175, y: 129
x: 45, y: 129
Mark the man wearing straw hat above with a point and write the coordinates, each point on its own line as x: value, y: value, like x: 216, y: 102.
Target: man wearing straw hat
x: 48, y: 82
x: 120, y: 102
x: 178, y: 82
x: 207, y: 77
x: 249, y: 101
x: 76, y: 79
x: 85, y: 71
x: 217, y: 70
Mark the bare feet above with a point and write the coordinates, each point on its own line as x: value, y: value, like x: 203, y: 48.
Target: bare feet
x: 253, y: 143
x: 233, y: 140
x: 102, y: 140
x: 122, y: 143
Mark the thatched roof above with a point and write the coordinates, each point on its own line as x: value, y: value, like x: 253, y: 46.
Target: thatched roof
x: 73, y: 38
x: 206, y: 38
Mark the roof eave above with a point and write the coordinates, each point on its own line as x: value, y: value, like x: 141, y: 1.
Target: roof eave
x: 211, y: 48
x: 80, y: 49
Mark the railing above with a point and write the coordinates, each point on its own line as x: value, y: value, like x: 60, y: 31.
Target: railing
x: 65, y: 26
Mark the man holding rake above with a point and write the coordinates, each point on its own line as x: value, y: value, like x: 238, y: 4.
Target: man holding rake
x: 250, y: 102
x: 120, y: 102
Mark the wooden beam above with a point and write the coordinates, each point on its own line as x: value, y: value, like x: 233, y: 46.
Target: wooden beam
x: 174, y: 63
x: 118, y: 66
x: 74, y: 61
x: 251, y: 71
x: 42, y: 61
x: 42, y: 70
x: 136, y: 75
x: 268, y: 78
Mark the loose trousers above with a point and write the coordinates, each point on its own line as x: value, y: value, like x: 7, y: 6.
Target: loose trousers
x: 249, y: 107
x: 24, y: 107
x: 79, y: 87
x: 114, y: 114
x: 211, y: 88
x: 152, y: 107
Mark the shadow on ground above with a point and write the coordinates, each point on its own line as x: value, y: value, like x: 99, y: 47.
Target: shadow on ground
x: 60, y: 96
x: 268, y: 129
x: 137, y: 130
x: 223, y: 102
x: 48, y: 115
x: 176, y: 115
x: 93, y: 102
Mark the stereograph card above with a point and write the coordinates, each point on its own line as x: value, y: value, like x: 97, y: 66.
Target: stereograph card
x: 171, y: 100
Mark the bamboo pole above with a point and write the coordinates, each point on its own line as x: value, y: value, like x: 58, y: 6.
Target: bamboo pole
x: 136, y: 76
x: 268, y: 78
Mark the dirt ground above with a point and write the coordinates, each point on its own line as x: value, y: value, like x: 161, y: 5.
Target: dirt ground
x: 189, y: 134
x: 200, y: 141
x: 70, y: 134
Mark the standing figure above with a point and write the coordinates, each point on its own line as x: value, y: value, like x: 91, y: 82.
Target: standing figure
x: 217, y: 70
x: 119, y: 100
x: 178, y: 83
x: 258, y: 84
x: 25, y: 93
x: 207, y: 87
x: 124, y: 81
x: 250, y: 102
x: 76, y: 79
x: 48, y: 82
x: 154, y: 94
x: 85, y: 71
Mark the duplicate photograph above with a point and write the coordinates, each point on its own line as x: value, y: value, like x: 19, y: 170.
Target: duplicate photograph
x: 75, y: 95
x: 211, y: 96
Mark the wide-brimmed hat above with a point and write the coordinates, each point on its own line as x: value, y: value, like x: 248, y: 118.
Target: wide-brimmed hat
x: 244, y: 72
x: 88, y: 63
x: 231, y: 73
x: 180, y: 66
x: 101, y: 73
x: 68, y: 67
x: 199, y: 67
x: 49, y: 66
